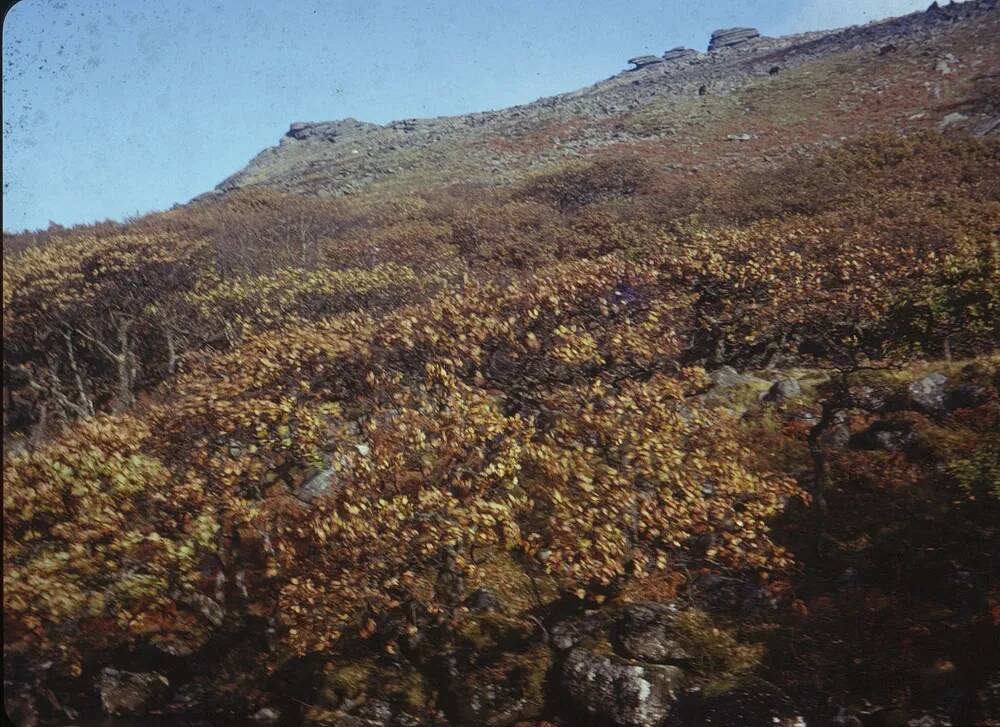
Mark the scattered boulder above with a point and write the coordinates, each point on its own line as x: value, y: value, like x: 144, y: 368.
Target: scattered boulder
x: 266, y: 715
x: 130, y: 693
x: 626, y: 693
x: 643, y: 61
x: 928, y: 394
x: 782, y: 389
x: 955, y: 117
x: 889, y: 435
x: 726, y: 377
x: 680, y: 53
x: 837, y: 435
x: 774, y: 70
x: 989, y: 125
x: 887, y: 49
x: 755, y: 703
x: 728, y: 37
x: 318, y: 484
x: 645, y: 633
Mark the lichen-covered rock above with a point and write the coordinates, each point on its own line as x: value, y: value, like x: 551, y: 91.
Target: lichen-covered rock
x: 888, y: 435
x: 928, y: 394
x: 626, y: 693
x: 566, y: 634
x: 504, y: 691
x: 783, y: 389
x: 646, y: 632
x: 130, y: 693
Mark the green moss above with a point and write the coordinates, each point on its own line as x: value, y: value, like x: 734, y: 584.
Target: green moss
x: 719, y: 660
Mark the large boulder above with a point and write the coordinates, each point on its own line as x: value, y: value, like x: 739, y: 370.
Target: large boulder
x: 130, y: 693
x: 646, y: 633
x: 782, y: 389
x: 624, y: 692
x: 928, y: 394
x: 890, y: 435
x: 728, y: 37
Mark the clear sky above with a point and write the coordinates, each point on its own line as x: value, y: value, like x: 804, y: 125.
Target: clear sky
x: 117, y: 107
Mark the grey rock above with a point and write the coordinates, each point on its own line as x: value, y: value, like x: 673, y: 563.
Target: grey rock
x: 493, y: 705
x: 728, y: 37
x: 626, y: 693
x: 643, y: 61
x: 755, y: 702
x: 483, y: 600
x: 951, y: 119
x: 130, y: 693
x: 266, y: 715
x: 928, y: 395
x: 375, y: 713
x: 888, y: 435
x: 989, y: 125
x: 783, y: 389
x: 836, y: 437
x: 564, y: 635
x: 319, y: 484
x: 739, y: 137
x: 680, y: 53
x: 726, y: 377
x: 646, y: 633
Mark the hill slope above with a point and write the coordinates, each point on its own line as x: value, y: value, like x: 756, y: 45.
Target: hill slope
x: 635, y: 406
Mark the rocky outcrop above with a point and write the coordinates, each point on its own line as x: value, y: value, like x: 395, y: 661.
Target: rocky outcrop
x: 783, y: 389
x: 624, y: 692
x: 332, y: 131
x: 130, y: 693
x: 680, y: 53
x: 728, y: 37
x: 344, y: 157
x: 928, y: 394
x: 643, y: 61
x: 646, y: 633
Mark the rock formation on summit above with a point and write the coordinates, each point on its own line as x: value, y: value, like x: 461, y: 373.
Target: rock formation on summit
x: 728, y: 37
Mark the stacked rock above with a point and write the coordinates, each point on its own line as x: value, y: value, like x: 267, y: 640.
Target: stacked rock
x: 728, y: 37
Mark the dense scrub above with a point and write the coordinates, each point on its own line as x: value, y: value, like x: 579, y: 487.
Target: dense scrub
x: 304, y: 417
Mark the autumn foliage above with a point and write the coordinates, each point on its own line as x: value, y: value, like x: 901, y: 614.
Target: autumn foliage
x: 300, y: 411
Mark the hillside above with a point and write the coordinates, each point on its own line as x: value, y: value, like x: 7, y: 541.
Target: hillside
x: 668, y: 401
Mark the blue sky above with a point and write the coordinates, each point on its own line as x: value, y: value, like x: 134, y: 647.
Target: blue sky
x: 118, y: 107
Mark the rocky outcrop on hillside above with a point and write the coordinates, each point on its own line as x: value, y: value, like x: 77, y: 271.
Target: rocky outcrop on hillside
x: 680, y: 53
x: 344, y: 157
x: 728, y: 37
x: 643, y: 61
